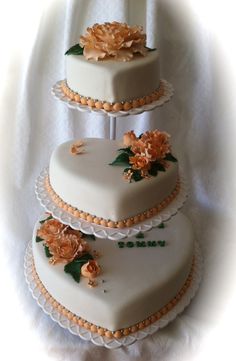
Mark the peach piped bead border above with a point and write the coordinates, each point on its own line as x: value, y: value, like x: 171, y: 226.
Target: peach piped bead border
x: 111, y: 107
x: 128, y: 222
x: 103, y: 331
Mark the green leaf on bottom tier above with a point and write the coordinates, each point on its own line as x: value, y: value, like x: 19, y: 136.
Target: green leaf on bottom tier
x: 38, y: 239
x: 170, y: 158
x: 74, y: 267
x: 75, y: 50
x: 47, y: 252
x: 46, y: 219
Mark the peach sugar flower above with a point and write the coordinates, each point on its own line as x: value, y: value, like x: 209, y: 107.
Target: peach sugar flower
x: 113, y: 40
x: 76, y: 148
x: 91, y: 269
x: 50, y: 228
x: 140, y: 162
x: 129, y: 138
x: 152, y: 146
x: 64, y: 243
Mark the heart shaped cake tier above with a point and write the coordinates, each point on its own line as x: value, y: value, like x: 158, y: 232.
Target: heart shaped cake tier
x: 139, y: 279
x: 112, y: 68
x: 88, y: 186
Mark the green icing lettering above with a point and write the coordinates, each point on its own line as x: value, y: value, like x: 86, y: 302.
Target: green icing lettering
x: 121, y: 244
x: 141, y: 244
x: 140, y: 235
x: 152, y: 243
x: 130, y: 244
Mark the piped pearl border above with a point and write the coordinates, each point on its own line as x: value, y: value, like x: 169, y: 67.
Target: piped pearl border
x: 117, y: 106
x: 103, y: 331
x: 129, y: 222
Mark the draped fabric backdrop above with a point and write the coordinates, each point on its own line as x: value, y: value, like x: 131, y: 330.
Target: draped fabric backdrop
x: 199, y: 119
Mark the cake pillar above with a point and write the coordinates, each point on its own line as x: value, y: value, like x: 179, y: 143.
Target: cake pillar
x: 112, y: 127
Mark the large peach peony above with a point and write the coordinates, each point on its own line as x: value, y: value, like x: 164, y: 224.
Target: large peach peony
x: 113, y: 40
x: 154, y: 145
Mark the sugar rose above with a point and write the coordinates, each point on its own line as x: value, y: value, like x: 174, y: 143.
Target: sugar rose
x: 129, y: 138
x: 91, y: 269
x: 113, y: 40
x: 51, y: 228
x: 66, y: 248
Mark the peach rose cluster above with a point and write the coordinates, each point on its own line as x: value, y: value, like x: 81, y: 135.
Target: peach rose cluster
x: 64, y: 243
x: 151, y: 147
x: 113, y: 40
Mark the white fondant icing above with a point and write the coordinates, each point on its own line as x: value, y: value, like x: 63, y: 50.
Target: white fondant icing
x: 112, y: 80
x: 138, y: 281
x: 89, y: 183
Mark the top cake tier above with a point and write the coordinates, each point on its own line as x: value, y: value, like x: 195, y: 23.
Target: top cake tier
x: 112, y: 68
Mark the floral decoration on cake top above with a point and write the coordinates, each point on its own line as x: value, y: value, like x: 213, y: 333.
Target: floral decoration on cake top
x: 144, y: 156
x: 114, y: 40
x: 77, y: 148
x: 65, y: 245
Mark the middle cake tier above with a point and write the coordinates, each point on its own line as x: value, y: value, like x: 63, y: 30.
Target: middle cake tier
x: 84, y: 179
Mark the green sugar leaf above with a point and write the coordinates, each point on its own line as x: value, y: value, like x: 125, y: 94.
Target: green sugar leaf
x: 47, y: 252
x: 160, y: 167
x: 155, y: 168
x: 38, y: 239
x: 140, y: 235
x: 161, y: 225
x: 170, y: 158
x: 46, y: 219
x: 89, y: 237
x: 75, y: 50
x: 74, y: 267
x: 126, y: 150
x: 137, y: 175
x: 121, y: 159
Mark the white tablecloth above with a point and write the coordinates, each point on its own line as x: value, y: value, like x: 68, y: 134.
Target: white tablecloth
x: 194, y: 56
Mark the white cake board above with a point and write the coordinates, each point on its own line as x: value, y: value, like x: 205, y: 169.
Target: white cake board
x: 96, y: 339
x: 105, y: 232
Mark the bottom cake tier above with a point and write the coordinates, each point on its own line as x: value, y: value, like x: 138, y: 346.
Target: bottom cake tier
x: 141, y: 279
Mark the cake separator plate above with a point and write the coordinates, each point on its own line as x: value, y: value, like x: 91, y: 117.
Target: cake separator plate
x: 105, y: 232
x: 44, y: 300
x: 168, y: 93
